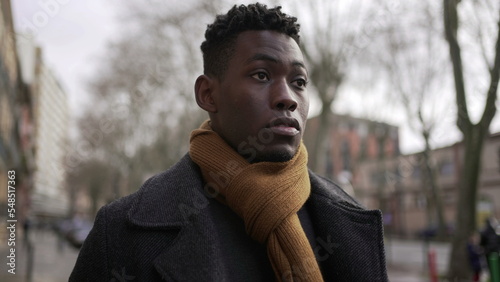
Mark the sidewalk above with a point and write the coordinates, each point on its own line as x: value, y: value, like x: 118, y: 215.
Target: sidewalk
x: 398, y: 273
x: 407, y: 259
x: 52, y: 262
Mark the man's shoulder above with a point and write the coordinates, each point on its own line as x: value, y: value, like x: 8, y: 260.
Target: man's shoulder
x: 324, y: 187
x: 159, y: 191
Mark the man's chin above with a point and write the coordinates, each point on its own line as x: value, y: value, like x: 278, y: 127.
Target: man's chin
x: 274, y: 156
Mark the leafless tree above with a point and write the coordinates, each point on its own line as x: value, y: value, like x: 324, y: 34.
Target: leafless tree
x: 143, y: 107
x: 91, y: 177
x: 413, y: 60
x: 488, y: 37
x: 329, y: 31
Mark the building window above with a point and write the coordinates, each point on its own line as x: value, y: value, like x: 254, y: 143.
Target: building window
x: 421, y: 201
x: 417, y: 172
x: 447, y: 168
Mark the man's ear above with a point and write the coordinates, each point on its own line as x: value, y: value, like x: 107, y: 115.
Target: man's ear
x: 204, y: 89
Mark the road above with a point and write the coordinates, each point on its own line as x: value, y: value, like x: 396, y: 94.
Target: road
x: 414, y: 253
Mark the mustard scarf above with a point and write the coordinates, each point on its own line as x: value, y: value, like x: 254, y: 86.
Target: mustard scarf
x: 266, y: 195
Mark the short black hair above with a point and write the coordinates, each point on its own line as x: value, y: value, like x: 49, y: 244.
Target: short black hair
x: 221, y: 35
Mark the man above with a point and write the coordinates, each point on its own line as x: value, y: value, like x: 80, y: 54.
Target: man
x: 242, y: 205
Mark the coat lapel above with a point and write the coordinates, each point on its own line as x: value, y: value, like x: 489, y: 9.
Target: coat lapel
x: 193, y: 255
x: 349, y: 239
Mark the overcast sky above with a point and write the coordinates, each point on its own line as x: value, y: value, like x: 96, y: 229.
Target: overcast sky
x: 73, y: 35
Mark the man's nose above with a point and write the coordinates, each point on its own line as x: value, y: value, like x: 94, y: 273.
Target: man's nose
x: 284, y: 97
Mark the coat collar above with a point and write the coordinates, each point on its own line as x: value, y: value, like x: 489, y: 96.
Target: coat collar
x: 350, y: 242
x: 164, y: 202
x: 154, y: 209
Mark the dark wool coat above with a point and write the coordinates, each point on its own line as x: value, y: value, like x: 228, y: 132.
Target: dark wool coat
x: 171, y: 229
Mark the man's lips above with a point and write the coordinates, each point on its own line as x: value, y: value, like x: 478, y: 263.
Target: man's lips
x: 284, y: 130
x: 284, y: 126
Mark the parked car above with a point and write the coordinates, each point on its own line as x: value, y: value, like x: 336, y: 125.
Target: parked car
x: 431, y: 231
x: 74, y: 230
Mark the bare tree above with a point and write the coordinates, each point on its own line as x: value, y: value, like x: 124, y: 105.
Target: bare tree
x: 143, y: 107
x: 413, y: 62
x: 473, y: 133
x: 92, y: 176
x: 329, y: 29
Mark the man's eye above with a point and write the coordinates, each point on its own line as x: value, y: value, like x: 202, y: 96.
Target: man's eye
x: 261, y: 76
x: 300, y: 83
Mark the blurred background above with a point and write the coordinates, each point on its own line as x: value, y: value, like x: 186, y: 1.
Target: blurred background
x: 97, y: 96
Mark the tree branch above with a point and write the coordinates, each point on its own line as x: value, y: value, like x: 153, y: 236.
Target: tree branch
x: 490, y: 107
x: 481, y: 41
x: 451, y: 27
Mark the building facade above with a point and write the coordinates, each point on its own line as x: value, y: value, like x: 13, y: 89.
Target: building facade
x: 16, y: 123
x: 349, y: 142
x: 49, y: 197
x: 10, y: 82
x: 33, y: 127
x: 397, y: 186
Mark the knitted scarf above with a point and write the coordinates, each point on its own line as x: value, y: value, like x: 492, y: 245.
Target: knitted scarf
x: 266, y: 195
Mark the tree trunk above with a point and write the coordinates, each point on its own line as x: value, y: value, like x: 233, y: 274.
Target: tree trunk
x: 318, y: 150
x: 473, y: 135
x: 72, y: 199
x: 94, y: 199
x: 435, y: 191
x: 466, y: 206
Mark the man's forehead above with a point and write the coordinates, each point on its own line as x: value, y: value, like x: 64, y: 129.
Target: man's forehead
x: 268, y: 46
x: 267, y: 39
x: 296, y: 62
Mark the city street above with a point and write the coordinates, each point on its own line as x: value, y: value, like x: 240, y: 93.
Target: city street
x: 52, y: 261
x: 405, y: 259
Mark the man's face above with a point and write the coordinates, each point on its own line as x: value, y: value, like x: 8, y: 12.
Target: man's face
x: 262, y: 101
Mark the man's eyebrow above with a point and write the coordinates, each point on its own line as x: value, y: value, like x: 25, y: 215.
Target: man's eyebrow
x: 299, y: 64
x: 273, y: 59
x: 263, y: 57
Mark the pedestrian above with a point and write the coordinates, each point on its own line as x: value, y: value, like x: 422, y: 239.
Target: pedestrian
x: 26, y: 230
x: 490, y: 243
x: 475, y: 256
x: 242, y: 204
